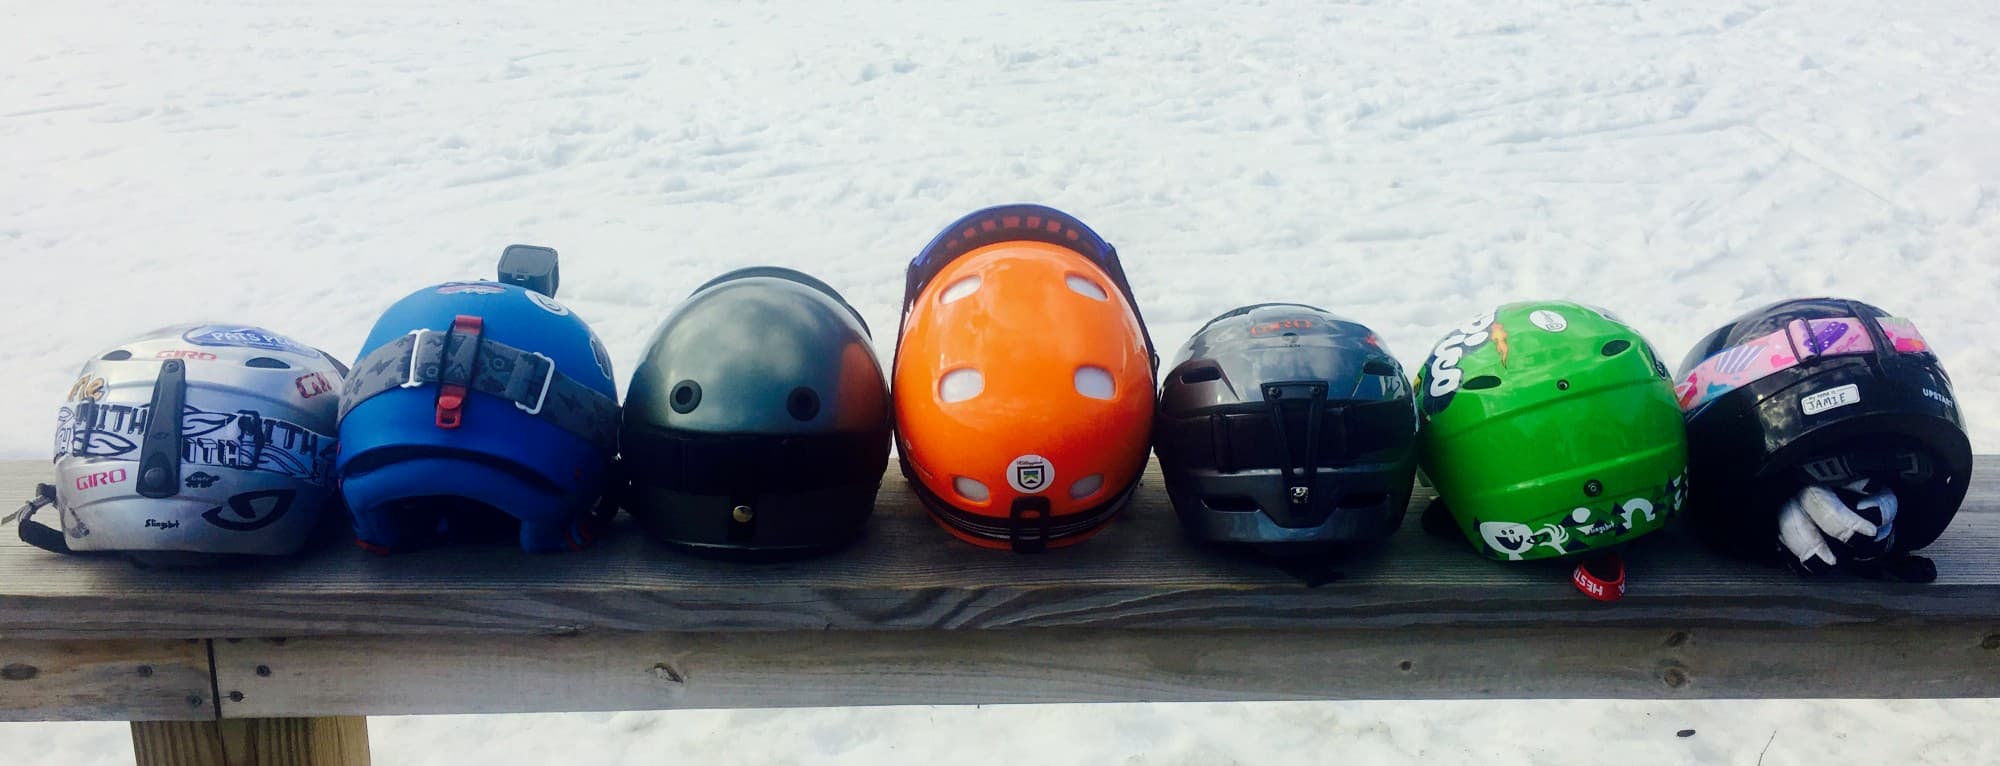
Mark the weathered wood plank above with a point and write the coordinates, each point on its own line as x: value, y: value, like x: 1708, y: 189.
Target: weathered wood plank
x: 163, y: 679
x: 908, y: 575
x: 341, y: 741
x: 627, y: 671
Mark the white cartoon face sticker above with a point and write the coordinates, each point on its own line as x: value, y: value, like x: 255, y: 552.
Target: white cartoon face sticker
x: 1508, y: 537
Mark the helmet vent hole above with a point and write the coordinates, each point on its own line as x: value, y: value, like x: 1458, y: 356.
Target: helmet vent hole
x: 960, y: 289
x: 1202, y: 374
x: 117, y: 356
x: 1616, y: 347
x: 1236, y: 503
x: 1379, y: 367
x: 803, y: 403
x: 1095, y: 382
x: 685, y: 397
x: 1085, y: 287
x: 1086, y: 486
x: 960, y: 385
x: 267, y: 363
x: 969, y: 489
x: 1482, y: 383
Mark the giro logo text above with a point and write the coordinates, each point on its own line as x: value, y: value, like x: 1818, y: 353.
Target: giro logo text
x: 312, y: 384
x: 100, y: 479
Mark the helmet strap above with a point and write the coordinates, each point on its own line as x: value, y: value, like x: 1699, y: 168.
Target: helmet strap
x: 34, y: 532
x: 1028, y: 524
x: 1311, y: 396
x: 160, y: 448
x: 1606, y: 583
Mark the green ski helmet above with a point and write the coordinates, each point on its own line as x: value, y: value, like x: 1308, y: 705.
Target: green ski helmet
x: 1550, y: 430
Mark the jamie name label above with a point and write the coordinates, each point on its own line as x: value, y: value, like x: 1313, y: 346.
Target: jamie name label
x: 1831, y: 399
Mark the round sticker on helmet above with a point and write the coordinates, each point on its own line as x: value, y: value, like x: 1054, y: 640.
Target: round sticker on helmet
x: 1549, y: 320
x: 1030, y: 474
x: 548, y: 304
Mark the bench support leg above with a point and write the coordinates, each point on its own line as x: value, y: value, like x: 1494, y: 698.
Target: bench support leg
x: 340, y: 741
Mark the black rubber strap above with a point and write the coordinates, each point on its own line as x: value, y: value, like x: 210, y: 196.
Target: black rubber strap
x: 1309, y: 399
x: 160, y: 448
x: 34, y: 532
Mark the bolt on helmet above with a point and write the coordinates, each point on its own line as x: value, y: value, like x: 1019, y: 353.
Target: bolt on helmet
x: 1283, y: 425
x: 193, y: 444
x: 1549, y: 430
x: 1819, y: 392
x: 1023, y: 380
x: 478, y: 410
x: 758, y: 421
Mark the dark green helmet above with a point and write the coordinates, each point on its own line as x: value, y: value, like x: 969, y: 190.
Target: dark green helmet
x: 758, y: 421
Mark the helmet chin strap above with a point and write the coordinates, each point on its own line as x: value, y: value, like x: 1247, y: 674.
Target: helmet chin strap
x: 34, y: 532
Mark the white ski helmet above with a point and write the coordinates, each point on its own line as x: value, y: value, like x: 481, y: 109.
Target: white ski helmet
x: 246, y: 467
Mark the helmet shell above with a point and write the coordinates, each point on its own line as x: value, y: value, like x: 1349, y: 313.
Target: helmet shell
x: 758, y: 420
x: 1756, y: 446
x: 1024, y: 386
x: 399, y: 469
x: 1550, y: 430
x: 256, y: 452
x: 1234, y: 457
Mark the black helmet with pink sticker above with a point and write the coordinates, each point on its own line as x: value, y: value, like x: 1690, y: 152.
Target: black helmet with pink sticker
x: 1819, y: 391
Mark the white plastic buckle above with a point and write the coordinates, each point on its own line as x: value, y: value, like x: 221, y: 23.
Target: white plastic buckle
x: 416, y: 353
x: 548, y: 378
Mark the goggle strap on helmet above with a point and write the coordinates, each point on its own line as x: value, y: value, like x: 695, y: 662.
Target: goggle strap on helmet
x: 528, y: 380
x: 160, y: 447
x: 34, y: 532
x: 1311, y: 396
x: 1801, y: 342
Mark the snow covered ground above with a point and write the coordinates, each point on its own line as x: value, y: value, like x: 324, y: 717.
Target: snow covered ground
x: 1409, y: 163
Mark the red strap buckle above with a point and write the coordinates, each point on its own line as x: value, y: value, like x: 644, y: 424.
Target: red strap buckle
x: 1597, y: 587
x: 451, y: 396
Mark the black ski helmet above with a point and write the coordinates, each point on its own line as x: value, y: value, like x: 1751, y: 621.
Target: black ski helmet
x: 758, y: 421
x: 1284, y: 426
x: 1818, y: 391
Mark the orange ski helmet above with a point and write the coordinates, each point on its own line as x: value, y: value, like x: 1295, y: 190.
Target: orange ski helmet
x: 1024, y: 380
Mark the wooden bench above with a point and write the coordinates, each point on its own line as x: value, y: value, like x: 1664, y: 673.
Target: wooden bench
x: 281, y: 658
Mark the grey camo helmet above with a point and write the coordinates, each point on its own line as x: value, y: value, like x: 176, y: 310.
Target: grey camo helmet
x: 243, y: 465
x: 757, y: 422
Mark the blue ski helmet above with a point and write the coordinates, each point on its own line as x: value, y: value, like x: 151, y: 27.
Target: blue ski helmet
x: 475, y: 406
